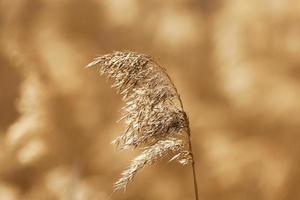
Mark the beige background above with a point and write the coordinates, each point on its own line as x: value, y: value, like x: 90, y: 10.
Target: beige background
x: 236, y: 64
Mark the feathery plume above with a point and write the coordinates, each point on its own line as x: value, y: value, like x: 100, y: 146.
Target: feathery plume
x: 153, y: 112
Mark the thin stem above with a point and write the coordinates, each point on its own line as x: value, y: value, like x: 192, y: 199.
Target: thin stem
x: 188, y: 133
x: 190, y: 150
x: 193, y: 165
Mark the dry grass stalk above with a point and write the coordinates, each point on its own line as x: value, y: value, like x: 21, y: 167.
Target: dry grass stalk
x: 153, y: 113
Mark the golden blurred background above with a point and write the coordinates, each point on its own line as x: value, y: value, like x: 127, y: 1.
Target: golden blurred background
x: 235, y: 63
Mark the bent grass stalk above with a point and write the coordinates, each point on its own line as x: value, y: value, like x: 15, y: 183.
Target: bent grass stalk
x: 154, y: 114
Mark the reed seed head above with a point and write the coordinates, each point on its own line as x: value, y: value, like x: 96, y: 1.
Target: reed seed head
x: 153, y: 113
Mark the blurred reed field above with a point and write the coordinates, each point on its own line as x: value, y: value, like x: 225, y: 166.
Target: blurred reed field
x: 235, y: 63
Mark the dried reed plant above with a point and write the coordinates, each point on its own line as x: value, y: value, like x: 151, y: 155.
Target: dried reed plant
x: 154, y: 115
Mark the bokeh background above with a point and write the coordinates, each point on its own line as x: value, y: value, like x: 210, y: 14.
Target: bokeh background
x: 235, y: 63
